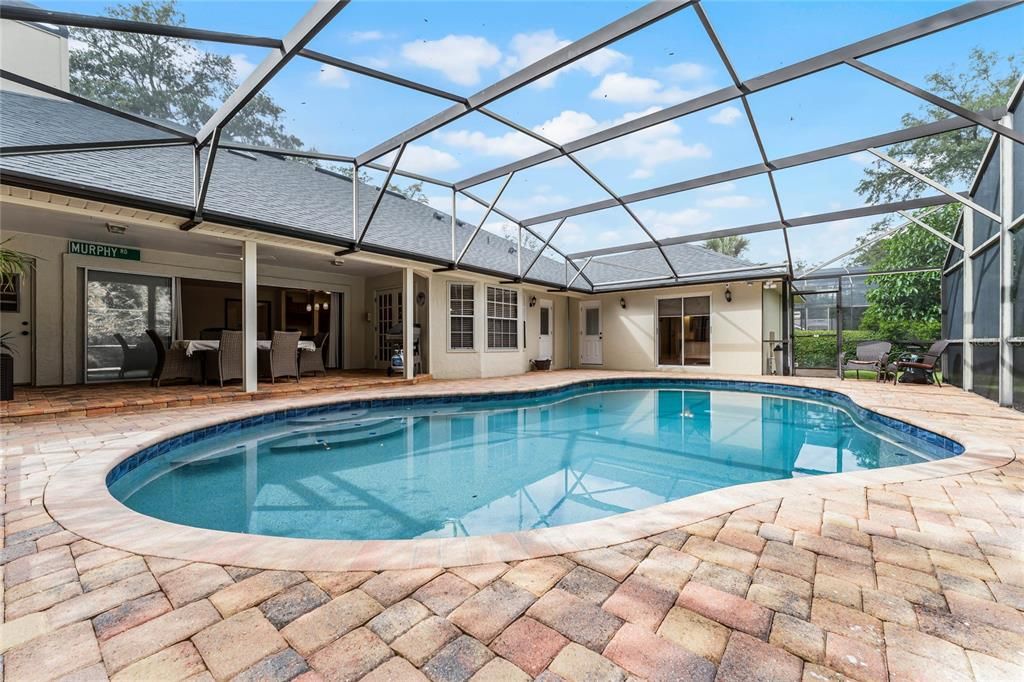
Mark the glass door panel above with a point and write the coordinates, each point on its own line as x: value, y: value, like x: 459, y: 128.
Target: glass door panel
x: 697, y: 335
x: 119, y: 308
x: 670, y: 331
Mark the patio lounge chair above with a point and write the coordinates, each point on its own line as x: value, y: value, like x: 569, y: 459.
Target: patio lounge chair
x: 314, y: 361
x: 282, y: 360
x: 869, y: 358
x: 926, y: 364
x: 229, y: 356
x: 170, y: 363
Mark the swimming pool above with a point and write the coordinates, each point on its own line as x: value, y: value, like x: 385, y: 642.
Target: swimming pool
x: 421, y: 468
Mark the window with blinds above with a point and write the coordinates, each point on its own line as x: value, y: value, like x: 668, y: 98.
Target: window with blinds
x: 460, y: 316
x: 502, y: 318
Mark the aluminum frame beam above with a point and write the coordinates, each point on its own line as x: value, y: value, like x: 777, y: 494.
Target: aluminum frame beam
x: 352, y: 67
x: 72, y: 147
x: 380, y: 195
x: 801, y: 221
x: 61, y: 94
x: 738, y: 82
x: 782, y: 163
x: 321, y: 14
x: 940, y: 102
x: 620, y: 28
x: 862, y: 48
x: 920, y: 223
x: 966, y: 201
x: 42, y: 16
x: 480, y: 225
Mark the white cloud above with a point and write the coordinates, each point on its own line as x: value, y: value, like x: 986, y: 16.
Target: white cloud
x: 731, y: 201
x: 863, y: 158
x: 333, y: 77
x: 365, y: 36
x: 511, y: 144
x: 421, y: 158
x: 243, y: 67
x: 527, y: 48
x: 459, y: 57
x: 725, y: 116
x: 673, y: 223
x: 624, y: 88
x: 641, y: 173
x: 685, y: 71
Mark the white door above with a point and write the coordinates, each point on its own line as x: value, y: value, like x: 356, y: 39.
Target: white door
x: 388, y: 314
x: 545, y: 339
x: 591, y: 337
x: 16, y: 319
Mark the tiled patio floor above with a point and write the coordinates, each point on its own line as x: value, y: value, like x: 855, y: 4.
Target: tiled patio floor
x: 33, y: 404
x: 920, y: 580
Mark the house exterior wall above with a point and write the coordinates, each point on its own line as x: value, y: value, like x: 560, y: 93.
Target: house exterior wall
x: 630, y: 334
x: 36, y: 53
x: 448, y: 363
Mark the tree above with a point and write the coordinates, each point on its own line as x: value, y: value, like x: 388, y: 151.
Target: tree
x: 950, y: 158
x: 166, y: 78
x: 907, y: 305
x: 731, y: 246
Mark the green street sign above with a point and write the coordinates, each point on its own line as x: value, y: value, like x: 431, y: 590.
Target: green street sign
x: 103, y: 250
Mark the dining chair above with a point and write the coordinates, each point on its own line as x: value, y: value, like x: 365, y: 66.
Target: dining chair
x: 229, y: 356
x: 170, y: 363
x: 313, y: 361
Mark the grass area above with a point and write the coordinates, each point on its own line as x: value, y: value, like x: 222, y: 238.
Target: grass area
x: 872, y: 375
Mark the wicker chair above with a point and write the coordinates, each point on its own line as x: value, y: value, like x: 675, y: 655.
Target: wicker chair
x: 136, y: 359
x: 313, y: 361
x: 282, y: 359
x: 229, y: 356
x: 869, y: 358
x: 927, y: 365
x: 170, y: 363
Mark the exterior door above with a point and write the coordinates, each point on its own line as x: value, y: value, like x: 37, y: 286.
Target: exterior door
x: 388, y: 306
x: 16, y: 320
x: 591, y: 336
x: 545, y: 338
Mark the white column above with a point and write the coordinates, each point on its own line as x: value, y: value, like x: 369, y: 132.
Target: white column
x: 249, y: 317
x: 1006, y: 210
x: 408, y: 317
x: 967, y: 271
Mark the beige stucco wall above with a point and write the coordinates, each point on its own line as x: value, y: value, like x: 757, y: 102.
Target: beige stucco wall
x: 58, y: 296
x: 481, y: 362
x: 772, y: 323
x: 629, y: 334
x: 35, y: 53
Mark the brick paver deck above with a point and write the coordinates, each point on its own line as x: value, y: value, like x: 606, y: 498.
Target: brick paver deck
x: 917, y: 580
x: 36, y: 404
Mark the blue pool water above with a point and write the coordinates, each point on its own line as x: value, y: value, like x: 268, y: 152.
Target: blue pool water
x: 440, y: 468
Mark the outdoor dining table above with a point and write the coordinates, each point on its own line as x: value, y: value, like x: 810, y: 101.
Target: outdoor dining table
x: 192, y: 345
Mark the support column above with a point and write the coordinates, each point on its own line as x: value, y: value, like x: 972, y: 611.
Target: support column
x: 967, y: 270
x: 408, y: 319
x: 1006, y: 267
x: 249, y: 358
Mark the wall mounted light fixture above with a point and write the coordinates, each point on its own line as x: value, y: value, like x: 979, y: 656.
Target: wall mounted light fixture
x: 533, y: 301
x: 728, y: 294
x: 622, y: 303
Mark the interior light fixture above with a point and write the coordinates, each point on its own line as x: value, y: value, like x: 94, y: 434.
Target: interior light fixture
x: 115, y: 228
x: 309, y: 308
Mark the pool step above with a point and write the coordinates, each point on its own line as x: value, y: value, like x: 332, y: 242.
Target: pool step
x: 327, y: 419
x: 383, y: 428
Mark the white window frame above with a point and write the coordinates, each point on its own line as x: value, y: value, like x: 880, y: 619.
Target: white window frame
x: 448, y: 316
x: 657, y: 323
x: 487, y: 320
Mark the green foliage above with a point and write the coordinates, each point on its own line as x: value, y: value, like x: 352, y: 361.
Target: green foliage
x: 951, y: 158
x: 818, y: 349
x: 168, y: 78
x: 12, y: 263
x: 731, y: 246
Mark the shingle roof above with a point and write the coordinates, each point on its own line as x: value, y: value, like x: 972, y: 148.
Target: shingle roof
x: 264, y: 190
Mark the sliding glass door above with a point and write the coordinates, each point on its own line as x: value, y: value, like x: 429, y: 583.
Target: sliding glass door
x: 119, y: 308
x: 684, y: 331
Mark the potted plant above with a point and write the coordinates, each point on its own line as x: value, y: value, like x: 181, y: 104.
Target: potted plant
x: 12, y: 264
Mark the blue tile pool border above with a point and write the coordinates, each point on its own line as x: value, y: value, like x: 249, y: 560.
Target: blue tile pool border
x: 905, y: 430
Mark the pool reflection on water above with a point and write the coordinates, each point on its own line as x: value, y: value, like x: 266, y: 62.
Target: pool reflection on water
x: 474, y: 469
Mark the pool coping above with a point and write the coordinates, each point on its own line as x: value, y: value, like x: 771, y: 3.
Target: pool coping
x: 78, y: 498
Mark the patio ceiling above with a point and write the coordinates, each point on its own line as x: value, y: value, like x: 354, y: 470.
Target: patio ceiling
x: 535, y: 248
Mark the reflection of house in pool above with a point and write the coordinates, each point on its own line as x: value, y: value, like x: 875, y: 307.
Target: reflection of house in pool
x: 436, y: 471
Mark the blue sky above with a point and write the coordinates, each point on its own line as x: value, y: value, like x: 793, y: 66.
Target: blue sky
x: 463, y: 46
